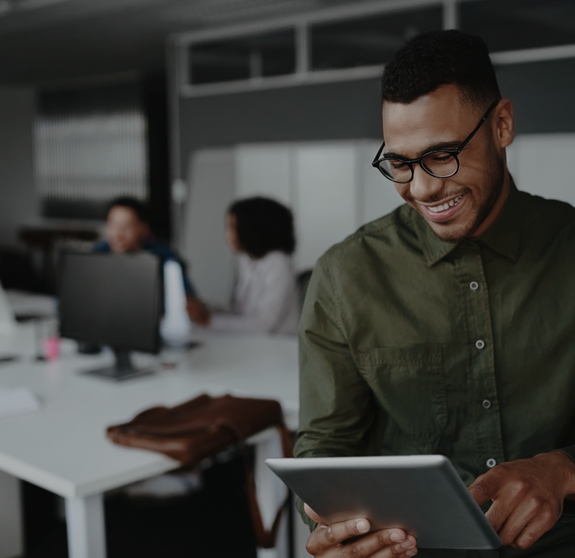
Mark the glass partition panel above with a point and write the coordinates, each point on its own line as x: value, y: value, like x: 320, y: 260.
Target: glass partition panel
x: 520, y: 24
x: 369, y: 40
x: 265, y: 55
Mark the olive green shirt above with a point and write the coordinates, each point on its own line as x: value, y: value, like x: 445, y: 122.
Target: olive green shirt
x: 413, y: 345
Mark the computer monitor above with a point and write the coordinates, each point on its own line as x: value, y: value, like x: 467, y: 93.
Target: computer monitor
x: 114, y: 300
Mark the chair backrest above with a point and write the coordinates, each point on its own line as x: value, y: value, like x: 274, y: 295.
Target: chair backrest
x: 302, y: 281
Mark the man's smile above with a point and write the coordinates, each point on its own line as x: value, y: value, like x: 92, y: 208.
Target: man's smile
x: 445, y: 209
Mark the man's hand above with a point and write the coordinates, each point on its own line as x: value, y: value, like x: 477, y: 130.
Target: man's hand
x: 333, y: 541
x: 197, y: 311
x: 527, y: 496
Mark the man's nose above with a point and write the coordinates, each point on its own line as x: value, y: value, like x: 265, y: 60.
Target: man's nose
x: 424, y: 186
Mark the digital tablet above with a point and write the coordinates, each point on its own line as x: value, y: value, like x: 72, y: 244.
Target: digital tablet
x: 421, y: 494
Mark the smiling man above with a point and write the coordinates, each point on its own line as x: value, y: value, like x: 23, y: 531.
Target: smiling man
x: 448, y: 326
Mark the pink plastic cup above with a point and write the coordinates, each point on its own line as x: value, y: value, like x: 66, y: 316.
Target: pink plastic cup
x: 51, y: 348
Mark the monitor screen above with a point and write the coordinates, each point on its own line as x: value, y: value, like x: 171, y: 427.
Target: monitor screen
x: 112, y: 299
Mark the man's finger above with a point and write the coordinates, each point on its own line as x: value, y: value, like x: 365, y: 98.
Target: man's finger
x: 534, y: 531
x: 502, y: 509
x: 312, y: 515
x: 387, y: 543
x: 509, y: 518
x: 407, y: 549
x: 338, y: 535
x: 485, y: 486
x: 326, y: 537
x: 528, y: 522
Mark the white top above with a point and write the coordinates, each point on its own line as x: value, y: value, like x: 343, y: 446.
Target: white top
x: 265, y: 298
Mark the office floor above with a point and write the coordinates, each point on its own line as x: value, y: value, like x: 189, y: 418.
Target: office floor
x: 210, y: 523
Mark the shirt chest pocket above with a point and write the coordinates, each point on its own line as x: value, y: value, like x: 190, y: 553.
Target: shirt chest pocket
x: 409, y: 384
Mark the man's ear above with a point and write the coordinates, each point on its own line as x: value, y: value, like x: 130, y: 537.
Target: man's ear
x: 503, y: 123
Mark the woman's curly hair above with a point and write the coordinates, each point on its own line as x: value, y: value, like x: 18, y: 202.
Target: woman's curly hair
x: 263, y: 225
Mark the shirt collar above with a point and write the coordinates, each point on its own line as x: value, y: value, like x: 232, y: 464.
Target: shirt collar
x: 503, y: 236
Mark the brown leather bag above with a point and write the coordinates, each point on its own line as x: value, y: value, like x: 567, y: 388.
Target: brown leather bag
x: 203, y: 427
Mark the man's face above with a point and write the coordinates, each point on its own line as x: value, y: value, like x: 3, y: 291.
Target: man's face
x: 124, y: 230
x: 477, y: 192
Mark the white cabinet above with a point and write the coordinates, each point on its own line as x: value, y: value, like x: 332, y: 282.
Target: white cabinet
x: 202, y: 243
x: 326, y: 201
x: 264, y: 170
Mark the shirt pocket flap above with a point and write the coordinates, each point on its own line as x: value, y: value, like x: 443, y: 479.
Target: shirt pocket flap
x: 393, y: 356
x: 409, y: 384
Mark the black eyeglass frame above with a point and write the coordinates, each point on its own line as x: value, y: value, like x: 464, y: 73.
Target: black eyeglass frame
x: 419, y: 160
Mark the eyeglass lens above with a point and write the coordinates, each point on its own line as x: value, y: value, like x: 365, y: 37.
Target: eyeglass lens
x: 440, y: 164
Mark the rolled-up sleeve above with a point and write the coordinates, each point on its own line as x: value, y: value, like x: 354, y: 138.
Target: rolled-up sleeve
x: 338, y: 414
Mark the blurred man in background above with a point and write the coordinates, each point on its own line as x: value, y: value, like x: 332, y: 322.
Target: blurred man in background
x: 128, y: 230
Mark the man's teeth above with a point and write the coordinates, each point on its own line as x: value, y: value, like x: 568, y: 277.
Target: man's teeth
x: 446, y: 205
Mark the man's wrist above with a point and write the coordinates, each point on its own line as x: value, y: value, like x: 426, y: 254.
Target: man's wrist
x: 565, y: 462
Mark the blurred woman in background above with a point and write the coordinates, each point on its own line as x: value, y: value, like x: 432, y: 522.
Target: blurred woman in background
x: 261, y: 231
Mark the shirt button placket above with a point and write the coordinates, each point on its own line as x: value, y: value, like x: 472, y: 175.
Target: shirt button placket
x: 488, y: 434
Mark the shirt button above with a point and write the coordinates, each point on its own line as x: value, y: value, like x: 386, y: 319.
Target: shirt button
x: 479, y: 344
x: 486, y: 403
x: 474, y: 285
x: 491, y: 462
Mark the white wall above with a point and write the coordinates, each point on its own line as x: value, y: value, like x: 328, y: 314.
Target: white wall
x: 542, y: 164
x: 18, y: 200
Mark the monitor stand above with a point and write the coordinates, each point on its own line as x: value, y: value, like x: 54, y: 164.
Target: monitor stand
x: 123, y: 369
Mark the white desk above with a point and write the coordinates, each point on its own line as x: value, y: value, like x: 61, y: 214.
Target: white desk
x: 63, y: 447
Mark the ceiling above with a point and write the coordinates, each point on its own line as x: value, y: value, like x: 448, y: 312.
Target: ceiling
x: 47, y: 41
x: 50, y: 41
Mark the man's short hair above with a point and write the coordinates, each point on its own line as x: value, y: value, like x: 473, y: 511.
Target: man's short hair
x: 263, y: 225
x: 438, y: 58
x: 137, y: 206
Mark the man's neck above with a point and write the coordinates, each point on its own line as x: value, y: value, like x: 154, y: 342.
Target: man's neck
x: 497, y: 208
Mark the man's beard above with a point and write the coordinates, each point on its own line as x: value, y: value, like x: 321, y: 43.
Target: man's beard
x: 494, y: 185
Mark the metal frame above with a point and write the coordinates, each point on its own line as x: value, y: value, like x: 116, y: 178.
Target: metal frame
x: 533, y: 55
x: 302, y: 24
x: 319, y: 16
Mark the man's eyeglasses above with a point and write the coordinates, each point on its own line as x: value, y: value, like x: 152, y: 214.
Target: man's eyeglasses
x: 441, y: 163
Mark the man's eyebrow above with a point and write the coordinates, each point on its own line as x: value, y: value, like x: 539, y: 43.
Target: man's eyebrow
x: 434, y: 147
